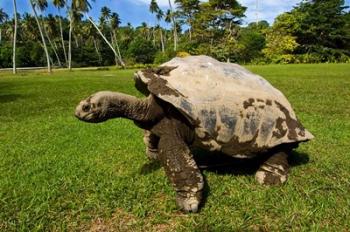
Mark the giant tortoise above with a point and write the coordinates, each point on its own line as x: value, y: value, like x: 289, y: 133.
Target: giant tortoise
x: 198, y: 101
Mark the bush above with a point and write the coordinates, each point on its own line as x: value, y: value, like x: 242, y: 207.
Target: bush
x: 285, y: 59
x: 183, y: 54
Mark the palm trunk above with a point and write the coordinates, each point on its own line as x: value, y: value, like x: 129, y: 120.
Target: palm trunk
x: 0, y: 35
x: 70, y: 42
x: 190, y: 29
x: 174, y: 25
x: 53, y: 48
x: 115, y: 55
x: 64, y: 47
x: 154, y: 37
x: 97, y: 51
x: 105, y: 39
x: 161, y: 37
x: 76, y: 41
x: 118, y: 50
x: 42, y: 38
x: 14, y: 39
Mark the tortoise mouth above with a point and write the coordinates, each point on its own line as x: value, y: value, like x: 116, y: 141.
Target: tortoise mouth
x: 92, y: 117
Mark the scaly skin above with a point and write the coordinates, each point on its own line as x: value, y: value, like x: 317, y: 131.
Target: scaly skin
x: 167, y: 137
x: 164, y: 127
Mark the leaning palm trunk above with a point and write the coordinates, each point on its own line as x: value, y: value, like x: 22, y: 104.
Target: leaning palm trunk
x: 53, y: 48
x: 76, y: 41
x: 42, y: 38
x: 106, y: 40
x: 14, y: 39
x: 64, y: 47
x: 118, y: 50
x: 97, y: 51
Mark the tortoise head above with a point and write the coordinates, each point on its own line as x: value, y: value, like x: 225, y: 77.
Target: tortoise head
x: 96, y: 108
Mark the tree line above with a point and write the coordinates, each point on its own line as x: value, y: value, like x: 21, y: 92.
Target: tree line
x: 313, y: 31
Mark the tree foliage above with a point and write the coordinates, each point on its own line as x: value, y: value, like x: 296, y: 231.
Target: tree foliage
x: 313, y: 31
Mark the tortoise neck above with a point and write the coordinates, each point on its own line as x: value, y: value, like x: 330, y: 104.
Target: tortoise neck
x: 138, y: 110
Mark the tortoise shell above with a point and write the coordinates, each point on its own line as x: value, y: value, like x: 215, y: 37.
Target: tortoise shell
x: 232, y: 109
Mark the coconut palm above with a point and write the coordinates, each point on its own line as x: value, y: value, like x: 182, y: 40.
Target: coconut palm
x: 77, y: 7
x: 3, y: 18
x: 144, y: 30
x: 90, y: 32
x: 105, y: 39
x: 50, y: 31
x: 105, y: 13
x: 28, y: 27
x: 41, y: 5
x: 172, y: 17
x: 154, y: 8
x: 14, y: 38
x: 60, y: 4
x: 115, y: 23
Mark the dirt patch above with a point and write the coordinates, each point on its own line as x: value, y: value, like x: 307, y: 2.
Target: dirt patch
x: 120, y: 221
x: 158, y: 86
x: 154, y: 72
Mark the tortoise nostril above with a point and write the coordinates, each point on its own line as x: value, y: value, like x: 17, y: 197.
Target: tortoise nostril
x: 86, y: 107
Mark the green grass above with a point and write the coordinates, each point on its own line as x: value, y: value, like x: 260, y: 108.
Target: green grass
x: 57, y: 173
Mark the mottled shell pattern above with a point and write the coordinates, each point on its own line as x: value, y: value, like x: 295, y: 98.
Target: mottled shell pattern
x: 233, y: 110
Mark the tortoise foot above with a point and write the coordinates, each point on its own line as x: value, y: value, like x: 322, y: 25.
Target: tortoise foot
x: 271, y: 175
x: 273, y: 171
x: 188, y: 203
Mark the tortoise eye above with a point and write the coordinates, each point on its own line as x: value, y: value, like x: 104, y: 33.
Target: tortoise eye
x: 86, y: 107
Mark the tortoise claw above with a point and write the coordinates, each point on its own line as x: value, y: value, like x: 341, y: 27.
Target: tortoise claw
x: 188, y: 204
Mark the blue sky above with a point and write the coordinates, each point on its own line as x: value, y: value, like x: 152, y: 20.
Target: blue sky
x: 136, y: 11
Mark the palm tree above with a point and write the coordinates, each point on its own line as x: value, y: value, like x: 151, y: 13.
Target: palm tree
x: 105, y: 39
x: 144, y: 30
x: 28, y: 27
x: 154, y: 8
x: 14, y: 38
x: 159, y: 16
x: 172, y: 17
x: 50, y: 30
x: 115, y: 22
x: 90, y: 32
x: 77, y: 6
x: 41, y: 4
x: 105, y: 13
x: 60, y: 4
x: 3, y: 18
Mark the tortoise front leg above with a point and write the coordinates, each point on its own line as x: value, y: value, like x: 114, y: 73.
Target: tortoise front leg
x: 182, y: 171
x: 151, y: 141
x: 274, y: 171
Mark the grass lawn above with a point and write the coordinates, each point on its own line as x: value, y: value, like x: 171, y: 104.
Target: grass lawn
x: 57, y: 173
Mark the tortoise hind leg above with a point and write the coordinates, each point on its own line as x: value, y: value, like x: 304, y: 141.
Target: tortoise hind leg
x: 274, y: 171
x: 151, y: 141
